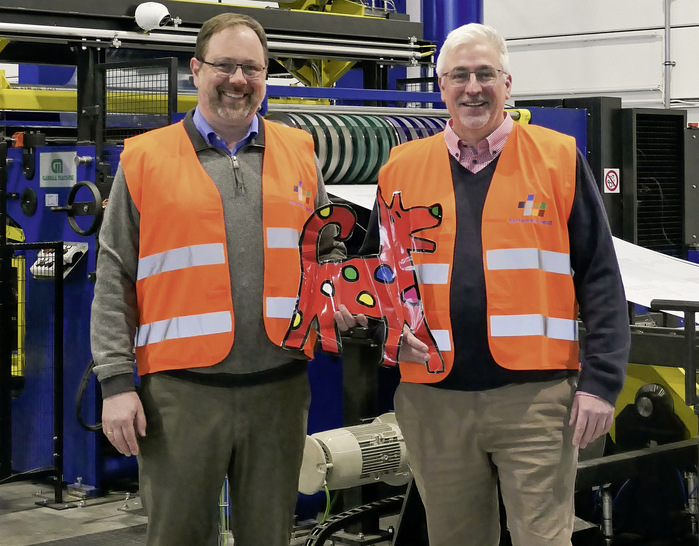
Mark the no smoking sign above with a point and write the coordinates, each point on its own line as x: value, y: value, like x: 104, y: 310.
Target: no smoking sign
x: 611, y: 181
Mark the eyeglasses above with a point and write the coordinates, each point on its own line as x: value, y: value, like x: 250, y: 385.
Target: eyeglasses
x: 250, y: 71
x: 486, y: 76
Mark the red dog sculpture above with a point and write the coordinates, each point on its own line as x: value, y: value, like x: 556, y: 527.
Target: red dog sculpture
x: 381, y: 286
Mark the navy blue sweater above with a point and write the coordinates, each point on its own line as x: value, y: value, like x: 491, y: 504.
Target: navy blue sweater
x: 596, y: 278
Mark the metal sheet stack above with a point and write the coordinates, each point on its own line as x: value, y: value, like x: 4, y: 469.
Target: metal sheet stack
x: 352, y: 148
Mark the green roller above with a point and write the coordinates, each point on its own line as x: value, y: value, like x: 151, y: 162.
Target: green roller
x: 333, y: 141
x: 320, y: 142
x: 387, y: 140
x: 345, y: 152
x: 358, y: 160
x: 367, y: 175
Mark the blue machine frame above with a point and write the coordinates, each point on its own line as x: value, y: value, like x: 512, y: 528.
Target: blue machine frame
x: 32, y: 415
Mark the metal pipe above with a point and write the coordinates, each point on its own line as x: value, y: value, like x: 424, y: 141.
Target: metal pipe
x: 5, y: 328
x: 548, y: 41
x: 58, y: 394
x: 358, y: 110
x: 407, y: 45
x: 692, y: 509
x: 347, y: 51
x: 116, y: 37
x: 587, y: 92
x: 667, y: 63
x: 607, y: 526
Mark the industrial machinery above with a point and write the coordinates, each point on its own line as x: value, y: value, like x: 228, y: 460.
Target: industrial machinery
x: 354, y: 456
x: 126, y: 71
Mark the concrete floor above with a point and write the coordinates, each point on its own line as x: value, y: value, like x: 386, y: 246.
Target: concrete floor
x: 117, y: 519
x: 27, y: 517
x: 24, y: 521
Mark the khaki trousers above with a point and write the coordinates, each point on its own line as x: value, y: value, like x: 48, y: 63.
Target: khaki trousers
x: 196, y: 434
x: 463, y: 444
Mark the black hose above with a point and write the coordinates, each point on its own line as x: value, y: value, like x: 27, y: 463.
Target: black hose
x: 79, y: 400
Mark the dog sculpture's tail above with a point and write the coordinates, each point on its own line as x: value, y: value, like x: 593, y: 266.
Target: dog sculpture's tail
x: 344, y: 219
x: 341, y: 216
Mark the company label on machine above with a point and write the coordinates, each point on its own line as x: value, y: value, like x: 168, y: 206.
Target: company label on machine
x: 57, y: 169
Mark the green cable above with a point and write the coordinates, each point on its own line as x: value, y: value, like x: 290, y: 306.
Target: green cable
x: 327, y: 503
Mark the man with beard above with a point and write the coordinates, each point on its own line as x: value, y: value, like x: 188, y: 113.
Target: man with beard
x: 197, y: 276
x: 523, y: 245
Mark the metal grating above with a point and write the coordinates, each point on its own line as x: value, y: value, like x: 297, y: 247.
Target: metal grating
x: 137, y: 100
x: 379, y: 459
x: 660, y: 183
x: 19, y: 321
x: 137, y: 96
x: 380, y: 447
x: 426, y: 85
x: 33, y: 403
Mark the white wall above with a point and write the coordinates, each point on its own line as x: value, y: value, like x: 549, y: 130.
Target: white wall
x: 11, y: 72
x: 564, y: 48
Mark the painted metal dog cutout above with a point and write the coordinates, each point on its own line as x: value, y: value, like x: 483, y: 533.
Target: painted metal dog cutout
x: 381, y: 286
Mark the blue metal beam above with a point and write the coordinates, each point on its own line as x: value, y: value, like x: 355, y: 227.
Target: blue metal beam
x: 352, y: 94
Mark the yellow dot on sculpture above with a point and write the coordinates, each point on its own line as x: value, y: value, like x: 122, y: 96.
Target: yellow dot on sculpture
x: 366, y: 299
x: 297, y: 320
x: 324, y: 212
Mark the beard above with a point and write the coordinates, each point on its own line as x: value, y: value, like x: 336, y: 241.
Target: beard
x: 238, y: 112
x: 476, y: 118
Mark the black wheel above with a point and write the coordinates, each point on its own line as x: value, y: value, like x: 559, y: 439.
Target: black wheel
x: 84, y: 208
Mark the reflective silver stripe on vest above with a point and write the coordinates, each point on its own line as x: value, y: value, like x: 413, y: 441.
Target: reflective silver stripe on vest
x: 441, y: 338
x: 180, y: 258
x: 282, y: 238
x: 529, y: 258
x: 533, y: 325
x: 182, y: 327
x: 432, y: 273
x: 281, y: 307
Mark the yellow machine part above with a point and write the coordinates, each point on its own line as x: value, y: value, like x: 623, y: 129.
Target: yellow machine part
x: 38, y: 99
x: 16, y: 235
x: 4, y: 84
x: 19, y: 356
x: 671, y: 379
x: 520, y: 115
x: 343, y: 7
x: 320, y: 72
x: 293, y: 100
x: 324, y: 72
x: 47, y: 100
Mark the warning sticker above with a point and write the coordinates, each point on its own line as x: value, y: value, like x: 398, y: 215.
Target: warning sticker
x: 611, y: 181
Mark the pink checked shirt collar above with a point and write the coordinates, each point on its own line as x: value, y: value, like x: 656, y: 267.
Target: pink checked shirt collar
x: 477, y: 158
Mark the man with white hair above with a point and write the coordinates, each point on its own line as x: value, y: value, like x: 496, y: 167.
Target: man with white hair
x: 523, y: 246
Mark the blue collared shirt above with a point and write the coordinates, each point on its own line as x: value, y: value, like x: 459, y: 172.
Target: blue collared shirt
x: 216, y: 140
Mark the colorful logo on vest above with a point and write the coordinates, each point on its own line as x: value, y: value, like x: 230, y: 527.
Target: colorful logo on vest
x: 532, y: 208
x: 303, y: 195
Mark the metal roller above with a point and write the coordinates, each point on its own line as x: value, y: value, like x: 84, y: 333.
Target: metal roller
x: 346, y: 151
x: 357, y: 163
x: 408, y: 128
x: 387, y: 140
x: 419, y: 128
x: 352, y: 148
x: 320, y: 142
x: 432, y: 126
x: 332, y: 139
x: 373, y: 150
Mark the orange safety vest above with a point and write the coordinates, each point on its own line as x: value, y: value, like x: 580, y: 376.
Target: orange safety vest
x: 531, y: 305
x: 183, y: 286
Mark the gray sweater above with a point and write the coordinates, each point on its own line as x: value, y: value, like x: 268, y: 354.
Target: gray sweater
x: 114, y: 308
